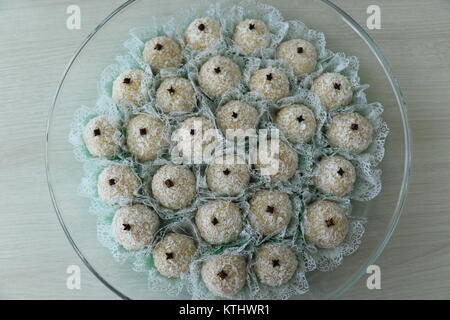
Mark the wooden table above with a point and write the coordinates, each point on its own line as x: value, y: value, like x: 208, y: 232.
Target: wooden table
x: 35, y: 45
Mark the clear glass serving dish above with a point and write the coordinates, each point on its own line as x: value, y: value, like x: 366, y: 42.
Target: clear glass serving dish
x: 79, y: 87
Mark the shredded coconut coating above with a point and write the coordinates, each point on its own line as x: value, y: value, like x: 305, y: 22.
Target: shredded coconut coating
x: 275, y: 264
x: 252, y: 36
x: 270, y: 83
x: 335, y: 175
x: 173, y: 255
x: 202, y: 34
x: 297, y: 122
x: 132, y: 93
x: 270, y: 211
x: 225, y: 275
x: 300, y: 54
x: 279, y: 166
x: 219, y: 222
x: 161, y: 53
x: 325, y: 224
x: 146, y: 137
x: 195, y: 138
x: 218, y: 75
x: 101, y: 136
x: 236, y: 117
x: 134, y: 227
x: 228, y: 175
x: 350, y: 132
x: 117, y: 184
x: 176, y: 95
x: 333, y: 90
x: 179, y: 192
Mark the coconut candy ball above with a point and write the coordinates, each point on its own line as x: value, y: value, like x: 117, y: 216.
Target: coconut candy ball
x: 333, y: 90
x: 117, y: 184
x: 228, y: 175
x: 275, y: 264
x: 297, y: 122
x: 270, y: 83
x: 300, y: 54
x: 219, y: 222
x: 161, y: 53
x: 174, y: 186
x: 176, y: 95
x: 279, y: 166
x: 225, y: 275
x: 134, y: 227
x: 202, y: 34
x: 252, y: 36
x: 335, y: 175
x: 146, y: 137
x: 350, y: 132
x: 130, y: 88
x: 237, y: 118
x: 218, y: 75
x: 270, y: 211
x: 102, y: 137
x: 173, y: 255
x: 325, y: 224
x: 196, y: 139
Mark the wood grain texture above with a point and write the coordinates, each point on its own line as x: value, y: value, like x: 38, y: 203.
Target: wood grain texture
x: 34, y: 48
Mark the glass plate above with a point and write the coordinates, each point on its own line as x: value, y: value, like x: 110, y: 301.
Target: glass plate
x: 78, y: 87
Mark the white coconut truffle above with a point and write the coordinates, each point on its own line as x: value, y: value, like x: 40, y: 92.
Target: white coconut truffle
x: 325, y: 224
x: 252, y: 36
x: 228, y: 175
x: 146, y: 137
x: 219, y: 222
x: 196, y: 139
x: 117, y: 184
x: 202, y: 33
x: 102, y: 137
x: 176, y: 95
x: 225, y: 275
x: 270, y: 83
x: 237, y: 118
x: 161, y: 53
x: 275, y: 264
x: 174, y: 186
x: 300, y: 54
x: 297, y: 122
x: 350, y: 132
x: 270, y: 211
x: 134, y: 227
x: 333, y: 90
x: 130, y: 88
x: 335, y: 175
x: 279, y: 166
x: 173, y: 255
x: 218, y: 75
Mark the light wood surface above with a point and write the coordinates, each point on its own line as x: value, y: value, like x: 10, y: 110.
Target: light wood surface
x: 35, y: 46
